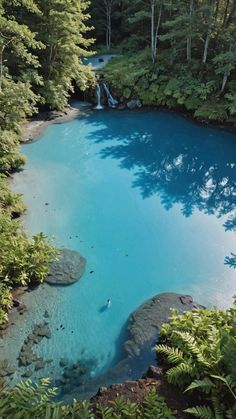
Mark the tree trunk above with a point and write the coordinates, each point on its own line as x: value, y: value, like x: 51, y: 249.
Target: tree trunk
x: 154, y: 55
x: 208, y: 36
x: 189, y: 38
x: 224, y: 81
x: 226, y: 12
x: 205, y: 53
x: 108, y: 4
x: 232, y: 12
x: 152, y: 26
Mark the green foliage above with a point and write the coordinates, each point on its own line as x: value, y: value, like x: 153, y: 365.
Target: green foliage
x: 22, y: 260
x: 28, y: 401
x: 10, y: 203
x: 174, y: 87
x: 200, y: 347
x: 41, y: 49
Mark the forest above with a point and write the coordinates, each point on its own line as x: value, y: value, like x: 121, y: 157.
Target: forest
x: 176, y: 54
x: 179, y: 55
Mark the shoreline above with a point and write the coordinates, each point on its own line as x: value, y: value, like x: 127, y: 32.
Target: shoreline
x: 34, y: 127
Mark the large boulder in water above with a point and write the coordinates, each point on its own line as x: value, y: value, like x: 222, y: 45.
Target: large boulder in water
x: 145, y: 323
x: 68, y: 269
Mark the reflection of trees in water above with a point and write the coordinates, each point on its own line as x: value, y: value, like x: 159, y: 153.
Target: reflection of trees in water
x: 186, y: 164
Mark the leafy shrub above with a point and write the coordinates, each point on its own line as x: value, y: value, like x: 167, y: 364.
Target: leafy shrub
x: 22, y: 260
x: 10, y: 203
x: 200, y: 346
x: 172, y: 84
x: 28, y: 401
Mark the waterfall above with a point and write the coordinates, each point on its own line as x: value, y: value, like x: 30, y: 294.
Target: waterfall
x: 98, y: 94
x: 111, y: 101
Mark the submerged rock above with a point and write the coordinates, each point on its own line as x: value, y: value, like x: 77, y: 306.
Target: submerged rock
x: 133, y: 104
x: 63, y: 362
x: 6, y: 369
x: 40, y: 364
x: 145, y: 323
x: 68, y: 269
x: 27, y: 373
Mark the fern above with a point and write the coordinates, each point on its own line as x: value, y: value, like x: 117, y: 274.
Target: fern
x: 206, y: 385
x: 173, y: 355
x: 181, y: 373
x: 202, y: 412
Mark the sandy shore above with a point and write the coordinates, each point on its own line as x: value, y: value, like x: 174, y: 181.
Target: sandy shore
x: 34, y: 127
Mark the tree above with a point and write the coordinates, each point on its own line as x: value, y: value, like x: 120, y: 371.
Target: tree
x: 62, y: 28
x: 103, y: 13
x: 155, y: 26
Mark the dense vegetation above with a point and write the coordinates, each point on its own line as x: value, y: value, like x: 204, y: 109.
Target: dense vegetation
x: 200, y: 346
x: 179, y: 54
x: 30, y: 401
x: 42, y: 44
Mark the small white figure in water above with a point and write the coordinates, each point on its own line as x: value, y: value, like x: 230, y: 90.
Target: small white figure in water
x: 108, y: 303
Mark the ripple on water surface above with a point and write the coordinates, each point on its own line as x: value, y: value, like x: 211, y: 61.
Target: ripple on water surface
x: 148, y: 198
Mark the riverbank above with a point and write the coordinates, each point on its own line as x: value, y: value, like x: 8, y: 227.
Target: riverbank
x: 35, y: 126
x: 135, y: 77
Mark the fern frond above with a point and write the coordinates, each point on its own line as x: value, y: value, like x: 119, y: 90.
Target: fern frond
x: 206, y: 385
x: 173, y: 355
x: 176, y: 374
x: 193, y: 347
x: 202, y: 412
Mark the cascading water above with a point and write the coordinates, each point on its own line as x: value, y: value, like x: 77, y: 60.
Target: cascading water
x: 111, y: 101
x: 98, y: 94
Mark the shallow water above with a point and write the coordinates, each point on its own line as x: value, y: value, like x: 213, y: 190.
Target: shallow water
x: 147, y: 198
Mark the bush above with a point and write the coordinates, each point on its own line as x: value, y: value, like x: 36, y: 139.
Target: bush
x: 23, y: 260
x: 172, y: 84
x: 200, y: 347
x: 28, y: 401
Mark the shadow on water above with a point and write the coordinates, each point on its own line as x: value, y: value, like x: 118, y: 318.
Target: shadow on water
x: 103, y: 309
x: 82, y: 386
x: 180, y: 161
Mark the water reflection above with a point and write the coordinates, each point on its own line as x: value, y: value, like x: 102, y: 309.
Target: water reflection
x: 179, y: 161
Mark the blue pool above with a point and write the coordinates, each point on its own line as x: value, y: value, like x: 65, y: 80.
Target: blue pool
x: 148, y: 198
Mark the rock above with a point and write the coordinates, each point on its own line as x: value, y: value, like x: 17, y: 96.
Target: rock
x: 16, y: 302
x: 68, y: 269
x: 40, y: 365
x: 27, y: 373
x: 75, y: 366
x: 134, y: 103
x: 63, y: 380
x: 154, y: 372
x: 186, y: 299
x: 21, y: 308
x: 69, y: 373
x: 145, y: 323
x: 102, y: 390
x: 63, y: 362
x: 54, y: 115
x: 44, y: 331
x: 46, y: 314
x: 6, y: 370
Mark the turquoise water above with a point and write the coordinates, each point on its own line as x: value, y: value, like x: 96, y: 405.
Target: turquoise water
x: 147, y: 198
